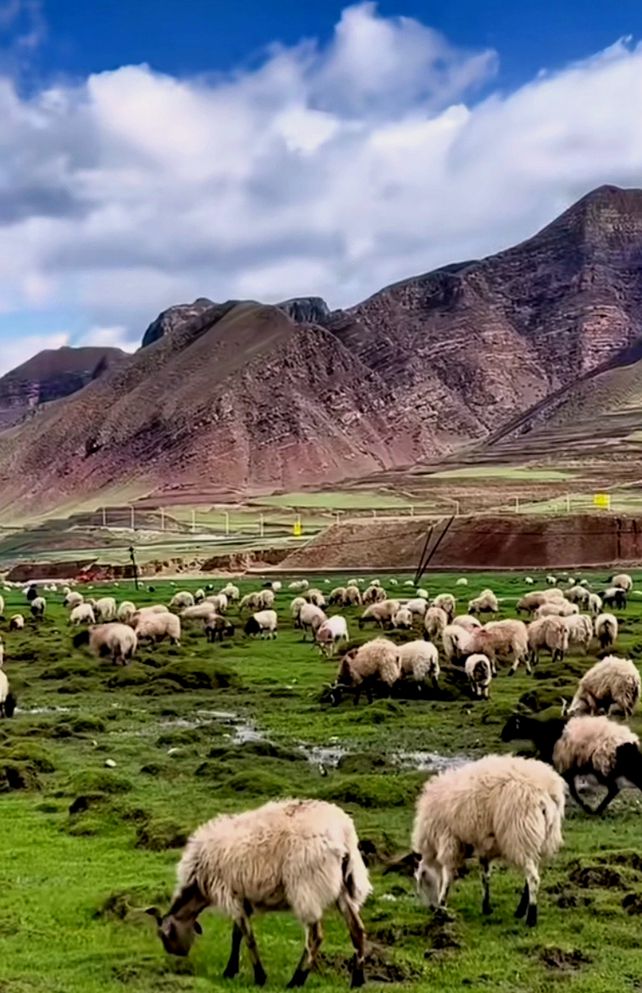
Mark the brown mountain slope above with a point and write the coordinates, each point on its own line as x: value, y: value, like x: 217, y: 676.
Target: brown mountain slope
x: 236, y: 399
x: 50, y: 375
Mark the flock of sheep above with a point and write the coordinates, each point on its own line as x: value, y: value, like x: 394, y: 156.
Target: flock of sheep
x: 304, y: 854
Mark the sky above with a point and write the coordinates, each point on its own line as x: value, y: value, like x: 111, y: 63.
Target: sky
x: 154, y: 152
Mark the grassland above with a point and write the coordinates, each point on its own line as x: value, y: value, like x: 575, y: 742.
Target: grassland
x: 203, y: 729
x: 529, y: 474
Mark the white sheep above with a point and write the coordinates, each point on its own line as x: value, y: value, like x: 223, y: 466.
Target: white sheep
x: 182, y: 599
x: 382, y: 613
x: 373, y: 594
x: 105, y: 609
x: 608, y: 749
x: 454, y: 639
x: 447, y: 603
x: 580, y: 630
x: 126, y: 611
x: 338, y: 596
x: 579, y: 595
x: 479, y: 670
x: 550, y: 633
x: 485, y: 603
x: 417, y: 606
x: 611, y: 686
x: 374, y: 663
x: 156, y: 626
x: 606, y: 630
x: 420, y: 662
x: 353, y: 597
x: 435, y: 620
x: 116, y: 640
x: 82, y: 614
x: 331, y: 633
x: 7, y: 699
x: 551, y: 580
x: 251, y: 601
x: 297, y: 854
x: 466, y: 621
x: 295, y: 609
x: 17, y: 622
x: 531, y: 601
x: 263, y: 622
x: 462, y: 581
x: 421, y: 593
x: 267, y: 597
x: 506, y: 639
x: 232, y: 592
x: 199, y: 612
x: 594, y: 604
x: 38, y: 607
x: 557, y: 608
x: 402, y: 619
x: 72, y: 598
x: 623, y: 582
x: 219, y: 602
x: 199, y: 595
x: 500, y: 807
x: 316, y: 597
x: 310, y: 619
x: 529, y: 580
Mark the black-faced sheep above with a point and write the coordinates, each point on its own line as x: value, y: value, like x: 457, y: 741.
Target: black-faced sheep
x: 263, y: 623
x: 479, y: 670
x: 500, y: 807
x: 7, y: 699
x: 297, y: 854
x: 217, y: 628
x: 610, y: 687
x: 331, y: 633
x: 38, y: 607
x: 374, y: 664
x: 614, y: 597
x: 580, y: 747
x: 17, y: 622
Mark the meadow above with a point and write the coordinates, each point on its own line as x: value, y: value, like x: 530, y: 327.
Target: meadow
x: 193, y: 731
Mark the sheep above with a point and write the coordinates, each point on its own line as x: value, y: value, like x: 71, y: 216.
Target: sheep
x: 453, y: 639
x: 611, y: 686
x: 353, y: 597
x: 337, y: 596
x: 276, y: 585
x: 199, y: 612
x: 447, y: 603
x: 199, y: 595
x: 354, y: 582
x: 578, y: 595
x: 594, y: 605
x: 154, y: 608
x: 263, y: 622
x: 462, y: 581
x: 38, y: 607
x: 485, y: 603
x: 551, y: 580
x: 182, y: 599
x: 466, y: 621
x: 382, y: 613
x: 298, y: 584
x: 419, y: 661
x: 333, y: 631
x: 232, y: 592
x: 114, y: 639
x: 295, y: 609
x: 126, y: 611
x: 435, y: 620
x: 531, y: 601
x: 377, y: 582
x: 7, y: 699
x: 501, y: 807
x: 402, y: 620
x: 217, y: 628
x: 550, y: 633
x: 251, y: 601
x: 72, y: 599
x: 506, y: 639
x: 614, y: 597
x: 557, y: 608
x: 157, y: 626
x: 315, y: 597
x: 375, y: 662
x: 266, y: 599
x: 529, y: 581
x: 1, y: 606
x: 582, y: 746
x: 580, y: 630
x: 417, y: 606
x: 82, y: 614
x: 623, y: 582
x: 105, y: 609
x: 310, y: 619
x: 373, y: 594
x: 606, y: 630
x: 219, y: 602
x: 297, y: 854
x: 479, y: 670
x: 17, y: 622
x: 421, y: 593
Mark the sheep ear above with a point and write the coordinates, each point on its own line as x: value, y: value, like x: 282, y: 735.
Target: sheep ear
x: 155, y: 913
x: 198, y: 928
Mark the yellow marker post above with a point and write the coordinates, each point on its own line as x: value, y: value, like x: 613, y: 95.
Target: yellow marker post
x: 602, y: 500
x: 297, y: 529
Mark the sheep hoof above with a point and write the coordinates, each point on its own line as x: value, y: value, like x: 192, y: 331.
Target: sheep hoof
x: 358, y: 977
x: 260, y: 977
x: 298, y: 979
x: 531, y: 916
x: 230, y: 973
x: 486, y: 908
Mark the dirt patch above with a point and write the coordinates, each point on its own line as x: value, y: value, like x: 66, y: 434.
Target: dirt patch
x: 562, y: 959
x: 597, y: 877
x: 632, y: 903
x: 380, y: 967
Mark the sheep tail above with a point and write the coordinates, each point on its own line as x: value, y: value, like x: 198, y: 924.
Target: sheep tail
x: 553, y: 813
x: 354, y: 873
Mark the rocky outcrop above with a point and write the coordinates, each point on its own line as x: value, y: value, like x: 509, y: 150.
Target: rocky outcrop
x: 173, y: 317
x: 306, y: 310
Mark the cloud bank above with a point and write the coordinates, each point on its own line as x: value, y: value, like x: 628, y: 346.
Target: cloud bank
x: 330, y: 170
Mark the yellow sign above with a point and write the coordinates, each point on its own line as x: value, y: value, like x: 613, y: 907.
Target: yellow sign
x: 602, y: 500
x: 297, y: 529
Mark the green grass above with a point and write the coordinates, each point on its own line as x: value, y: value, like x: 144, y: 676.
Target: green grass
x: 516, y: 473
x: 338, y: 500
x: 75, y: 884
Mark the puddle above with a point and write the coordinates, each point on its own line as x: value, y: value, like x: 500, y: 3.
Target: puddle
x: 428, y: 761
x: 326, y: 755
x: 43, y: 710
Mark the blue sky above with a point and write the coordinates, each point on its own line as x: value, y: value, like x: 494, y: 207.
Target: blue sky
x: 151, y: 152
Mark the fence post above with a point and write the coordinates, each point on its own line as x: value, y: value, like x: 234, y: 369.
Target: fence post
x: 193, y: 521
x: 568, y: 503
x: 132, y: 519
x: 162, y: 517
x: 227, y: 523
x: 104, y: 509
x: 261, y: 526
x: 517, y: 505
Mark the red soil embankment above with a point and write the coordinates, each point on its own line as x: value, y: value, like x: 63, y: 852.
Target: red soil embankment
x: 506, y: 542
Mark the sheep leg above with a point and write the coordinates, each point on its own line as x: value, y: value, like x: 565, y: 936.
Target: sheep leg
x: 351, y: 916
x: 444, y: 887
x: 313, y: 939
x: 614, y: 789
x: 485, y: 870
x: 260, y: 975
x: 522, y: 906
x: 232, y: 967
x: 570, y: 780
x: 532, y: 881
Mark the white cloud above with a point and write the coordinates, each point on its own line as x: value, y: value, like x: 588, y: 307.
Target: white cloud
x: 330, y: 170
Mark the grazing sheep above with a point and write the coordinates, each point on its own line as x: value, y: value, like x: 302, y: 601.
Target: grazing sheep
x: 17, y: 622
x: 251, y: 601
x: 373, y: 594
x: 479, y: 670
x: 551, y: 580
x: 72, y: 599
x: 182, y: 599
x: 381, y: 613
x: 82, y: 614
x: 7, y: 699
x: 217, y: 628
x: 462, y: 581
x: 454, y: 640
x: 337, y: 596
x: 331, y: 633
x: 583, y: 746
x: 199, y: 595
x: 219, y: 602
x: 421, y: 593
x: 374, y: 663
x: 418, y: 606
x: 105, y: 609
x: 529, y: 581
x: 594, y: 604
x: 310, y: 619
x: 550, y: 633
x: 266, y: 599
x: 295, y: 609
x: 232, y: 592
x: 276, y: 585
x: 507, y: 640
x: 316, y: 597
x: 114, y: 639
x: 402, y: 620
x: 611, y: 686
x: 199, y: 612
x: 623, y: 582
x: 298, y: 584
x: 420, y: 662
x: 500, y: 807
x: 263, y: 622
x: 435, y: 620
x: 485, y: 603
x: 354, y: 582
x: 606, y: 629
x: 578, y: 595
x: 531, y: 601
x: 353, y: 597
x: 38, y: 607
x: 614, y: 597
x: 466, y: 621
x: 580, y: 630
x: 447, y: 603
x: 309, y: 860
x: 154, y: 608
x: 126, y: 611
x: 557, y: 608
x: 157, y: 626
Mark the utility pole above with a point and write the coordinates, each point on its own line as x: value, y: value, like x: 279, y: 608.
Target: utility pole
x: 162, y: 517
x: 193, y: 522
x: 104, y: 517
x: 261, y: 526
x: 132, y: 556
x: 132, y: 522
x: 227, y: 523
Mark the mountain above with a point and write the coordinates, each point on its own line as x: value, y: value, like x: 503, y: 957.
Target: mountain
x: 239, y: 397
x: 51, y: 375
